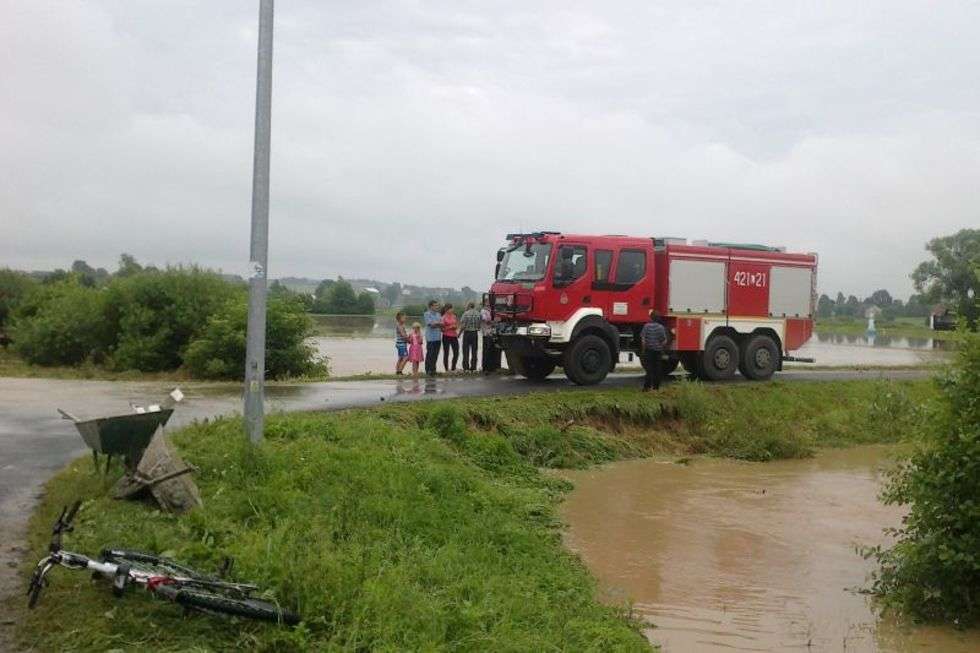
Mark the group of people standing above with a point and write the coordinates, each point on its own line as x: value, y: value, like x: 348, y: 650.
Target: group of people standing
x: 443, y: 329
x: 442, y: 332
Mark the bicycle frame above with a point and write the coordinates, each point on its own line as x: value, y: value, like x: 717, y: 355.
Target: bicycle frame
x: 122, y: 575
x: 161, y: 576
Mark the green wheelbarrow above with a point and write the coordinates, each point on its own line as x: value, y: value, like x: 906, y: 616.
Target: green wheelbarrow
x: 121, y: 435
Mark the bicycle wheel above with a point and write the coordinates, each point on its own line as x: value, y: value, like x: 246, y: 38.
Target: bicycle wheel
x: 249, y: 608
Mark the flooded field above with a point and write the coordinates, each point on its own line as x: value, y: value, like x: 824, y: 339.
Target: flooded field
x: 362, y: 344
x: 722, y: 555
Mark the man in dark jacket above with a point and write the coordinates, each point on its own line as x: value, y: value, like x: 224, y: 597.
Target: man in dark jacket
x: 653, y: 341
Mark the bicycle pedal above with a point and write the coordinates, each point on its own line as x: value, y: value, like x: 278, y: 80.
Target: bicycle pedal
x: 121, y: 579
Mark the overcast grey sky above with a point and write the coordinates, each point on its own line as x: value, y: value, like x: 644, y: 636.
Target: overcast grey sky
x: 409, y: 137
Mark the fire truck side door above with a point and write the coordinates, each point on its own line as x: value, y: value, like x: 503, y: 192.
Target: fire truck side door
x: 632, y: 297
x: 571, y: 279
x: 601, y: 285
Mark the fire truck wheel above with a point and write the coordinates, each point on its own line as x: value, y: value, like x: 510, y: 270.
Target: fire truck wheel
x: 588, y: 360
x: 535, y: 368
x: 720, y: 359
x: 760, y: 358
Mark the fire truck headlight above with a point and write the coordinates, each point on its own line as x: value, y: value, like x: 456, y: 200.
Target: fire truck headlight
x: 539, y: 330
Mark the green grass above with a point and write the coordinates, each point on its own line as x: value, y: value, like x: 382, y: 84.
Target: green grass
x: 424, y: 526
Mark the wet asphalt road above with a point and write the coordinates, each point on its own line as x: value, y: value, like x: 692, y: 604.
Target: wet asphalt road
x: 35, y: 442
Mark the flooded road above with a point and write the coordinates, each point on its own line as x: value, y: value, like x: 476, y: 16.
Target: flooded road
x: 722, y: 555
x: 834, y: 350
x: 358, y: 345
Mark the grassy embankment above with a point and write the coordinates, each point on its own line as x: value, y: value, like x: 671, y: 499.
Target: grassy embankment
x: 422, y: 526
x: 903, y: 327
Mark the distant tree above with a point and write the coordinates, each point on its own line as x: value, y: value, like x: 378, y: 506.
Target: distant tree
x: 880, y: 298
x: 953, y: 276
x: 57, y: 276
x: 825, y: 306
x: 338, y: 298
x: 853, y: 306
x: 917, y: 306
x: 280, y: 290
x: 414, y: 310
x: 393, y: 293
x: 87, y: 275
x: 128, y: 266
x: 321, y: 290
x: 365, y: 304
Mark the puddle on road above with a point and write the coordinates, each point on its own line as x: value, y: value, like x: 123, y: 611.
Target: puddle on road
x: 721, y: 555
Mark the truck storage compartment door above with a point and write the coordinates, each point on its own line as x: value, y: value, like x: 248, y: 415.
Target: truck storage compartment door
x: 790, y: 291
x: 696, y: 286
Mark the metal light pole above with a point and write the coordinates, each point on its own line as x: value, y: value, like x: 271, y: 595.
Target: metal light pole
x: 259, y: 249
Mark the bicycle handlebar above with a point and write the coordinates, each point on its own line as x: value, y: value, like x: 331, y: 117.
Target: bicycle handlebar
x: 63, y: 525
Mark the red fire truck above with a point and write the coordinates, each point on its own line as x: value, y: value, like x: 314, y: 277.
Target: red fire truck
x: 580, y: 301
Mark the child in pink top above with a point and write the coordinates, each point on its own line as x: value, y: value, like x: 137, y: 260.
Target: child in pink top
x: 416, y: 346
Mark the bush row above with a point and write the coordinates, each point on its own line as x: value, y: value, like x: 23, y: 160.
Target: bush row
x: 156, y: 321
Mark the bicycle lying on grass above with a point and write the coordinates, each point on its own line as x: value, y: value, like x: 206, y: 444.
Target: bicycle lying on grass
x: 161, y: 576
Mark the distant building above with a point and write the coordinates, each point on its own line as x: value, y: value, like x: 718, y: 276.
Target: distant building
x: 941, y: 318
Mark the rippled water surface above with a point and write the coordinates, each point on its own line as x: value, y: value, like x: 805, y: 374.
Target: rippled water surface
x: 722, y: 556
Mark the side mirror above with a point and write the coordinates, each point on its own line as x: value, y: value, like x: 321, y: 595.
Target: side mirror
x: 496, y: 270
x: 500, y: 254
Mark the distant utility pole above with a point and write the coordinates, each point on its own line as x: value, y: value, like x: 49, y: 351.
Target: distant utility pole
x: 259, y: 249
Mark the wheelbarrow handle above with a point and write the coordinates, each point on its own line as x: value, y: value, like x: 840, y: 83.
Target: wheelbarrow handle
x: 66, y: 415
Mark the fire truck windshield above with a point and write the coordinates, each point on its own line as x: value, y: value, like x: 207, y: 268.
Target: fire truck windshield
x: 525, y: 263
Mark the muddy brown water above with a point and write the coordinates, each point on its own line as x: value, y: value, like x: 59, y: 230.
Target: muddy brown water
x: 720, y: 555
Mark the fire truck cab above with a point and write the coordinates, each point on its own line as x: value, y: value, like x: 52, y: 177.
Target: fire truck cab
x: 580, y: 301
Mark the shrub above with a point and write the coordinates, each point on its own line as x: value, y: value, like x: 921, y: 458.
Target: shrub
x: 219, y: 352
x: 14, y: 287
x: 933, y: 571
x: 59, y: 324
x: 892, y: 413
x: 153, y: 315
x: 692, y: 401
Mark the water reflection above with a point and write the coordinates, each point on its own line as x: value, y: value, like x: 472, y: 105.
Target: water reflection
x: 354, y: 326
x: 424, y: 385
x: 890, y: 342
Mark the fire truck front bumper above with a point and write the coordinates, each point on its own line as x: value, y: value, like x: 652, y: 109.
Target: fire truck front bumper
x: 526, y: 338
x: 531, y: 330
